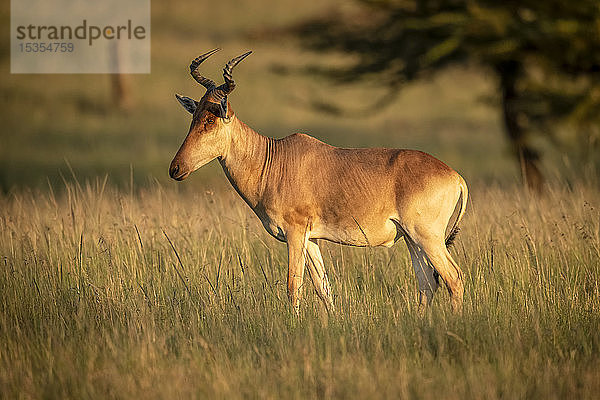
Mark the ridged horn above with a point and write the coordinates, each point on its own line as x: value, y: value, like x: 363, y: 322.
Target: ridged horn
x: 206, y: 82
x: 229, y: 84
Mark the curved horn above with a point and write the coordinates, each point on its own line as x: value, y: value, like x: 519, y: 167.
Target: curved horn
x: 229, y: 84
x: 207, y: 83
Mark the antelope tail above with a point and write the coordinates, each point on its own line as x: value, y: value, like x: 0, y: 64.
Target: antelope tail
x: 464, y: 195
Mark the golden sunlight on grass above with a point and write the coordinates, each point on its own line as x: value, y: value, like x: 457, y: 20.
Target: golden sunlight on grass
x: 95, y: 302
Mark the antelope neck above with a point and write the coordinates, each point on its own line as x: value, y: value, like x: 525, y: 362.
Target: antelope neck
x: 248, y: 160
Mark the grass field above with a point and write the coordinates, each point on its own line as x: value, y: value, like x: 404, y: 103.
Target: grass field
x: 95, y: 303
x: 116, y: 282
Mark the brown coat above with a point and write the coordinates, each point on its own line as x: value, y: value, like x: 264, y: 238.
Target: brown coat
x: 303, y: 189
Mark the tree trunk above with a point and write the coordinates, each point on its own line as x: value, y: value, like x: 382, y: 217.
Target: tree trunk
x: 120, y: 91
x: 527, y: 157
x: 119, y: 83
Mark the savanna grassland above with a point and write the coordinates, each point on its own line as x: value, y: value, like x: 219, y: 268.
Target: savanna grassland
x: 182, y: 294
x: 116, y: 282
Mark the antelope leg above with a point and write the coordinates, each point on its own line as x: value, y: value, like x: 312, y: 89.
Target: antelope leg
x: 296, y: 261
x: 317, y: 272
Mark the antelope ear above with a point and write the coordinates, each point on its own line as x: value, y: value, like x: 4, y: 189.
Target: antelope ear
x: 187, y: 103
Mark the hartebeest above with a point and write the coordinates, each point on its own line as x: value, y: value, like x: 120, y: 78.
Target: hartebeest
x: 303, y: 189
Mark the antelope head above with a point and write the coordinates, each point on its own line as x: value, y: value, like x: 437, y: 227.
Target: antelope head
x: 207, y: 136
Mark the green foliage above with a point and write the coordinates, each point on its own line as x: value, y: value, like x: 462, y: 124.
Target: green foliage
x: 546, y: 55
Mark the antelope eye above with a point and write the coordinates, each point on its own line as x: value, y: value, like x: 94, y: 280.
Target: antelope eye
x: 210, y: 121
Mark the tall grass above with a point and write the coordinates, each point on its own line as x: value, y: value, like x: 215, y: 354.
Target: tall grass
x: 108, y: 293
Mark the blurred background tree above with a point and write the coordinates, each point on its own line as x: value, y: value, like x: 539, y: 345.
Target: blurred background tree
x: 544, y: 54
x: 435, y: 60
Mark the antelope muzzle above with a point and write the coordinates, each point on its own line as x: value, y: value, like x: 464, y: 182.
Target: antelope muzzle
x: 177, y: 171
